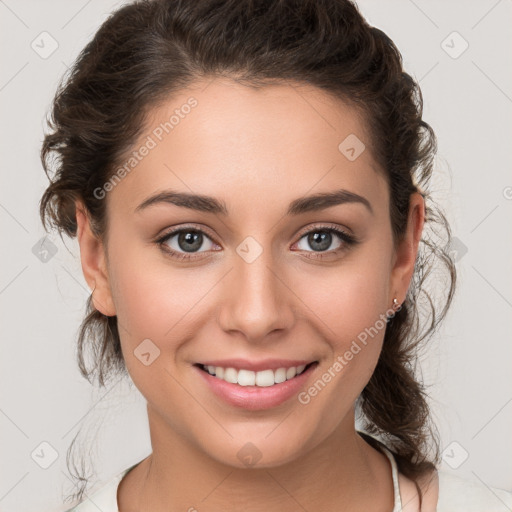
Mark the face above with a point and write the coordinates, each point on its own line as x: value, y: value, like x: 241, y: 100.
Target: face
x: 248, y: 277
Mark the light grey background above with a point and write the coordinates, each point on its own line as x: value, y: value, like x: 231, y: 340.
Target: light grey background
x: 468, y: 102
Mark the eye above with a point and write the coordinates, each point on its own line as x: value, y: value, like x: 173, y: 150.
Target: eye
x: 321, y: 239
x: 185, y: 243
x: 189, y: 240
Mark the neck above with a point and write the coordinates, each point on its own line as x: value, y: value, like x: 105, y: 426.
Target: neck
x: 342, y: 473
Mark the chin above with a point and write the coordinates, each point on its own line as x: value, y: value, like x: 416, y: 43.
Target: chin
x: 256, y: 452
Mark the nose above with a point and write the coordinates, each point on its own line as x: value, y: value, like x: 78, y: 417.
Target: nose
x: 256, y: 299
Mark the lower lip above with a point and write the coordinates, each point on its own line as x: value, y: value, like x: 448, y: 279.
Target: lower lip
x: 256, y: 397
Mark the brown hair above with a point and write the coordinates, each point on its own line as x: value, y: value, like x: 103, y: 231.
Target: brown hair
x: 147, y: 50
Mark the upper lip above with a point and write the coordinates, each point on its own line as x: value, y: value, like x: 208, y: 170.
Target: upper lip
x: 256, y: 366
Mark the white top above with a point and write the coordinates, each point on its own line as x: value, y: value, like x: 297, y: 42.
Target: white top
x: 455, y: 494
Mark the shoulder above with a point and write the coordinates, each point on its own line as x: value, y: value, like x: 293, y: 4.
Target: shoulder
x: 457, y: 493
x: 103, y: 498
x: 445, y: 492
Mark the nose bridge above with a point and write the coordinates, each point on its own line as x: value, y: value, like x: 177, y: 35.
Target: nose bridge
x: 257, y: 302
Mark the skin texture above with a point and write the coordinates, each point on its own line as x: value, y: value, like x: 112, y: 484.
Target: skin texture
x: 255, y: 150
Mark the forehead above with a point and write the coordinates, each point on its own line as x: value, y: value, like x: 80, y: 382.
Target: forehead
x: 228, y: 140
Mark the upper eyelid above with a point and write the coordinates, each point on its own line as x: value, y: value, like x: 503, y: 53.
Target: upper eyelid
x: 173, y: 232
x: 327, y: 227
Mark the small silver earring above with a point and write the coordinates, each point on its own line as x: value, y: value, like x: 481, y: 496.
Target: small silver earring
x: 396, y: 307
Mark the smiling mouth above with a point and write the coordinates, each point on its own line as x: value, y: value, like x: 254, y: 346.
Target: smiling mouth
x: 263, y: 378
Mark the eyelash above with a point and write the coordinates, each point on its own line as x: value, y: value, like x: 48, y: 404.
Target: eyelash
x: 347, y: 239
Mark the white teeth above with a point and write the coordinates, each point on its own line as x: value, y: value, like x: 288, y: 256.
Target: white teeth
x: 263, y: 378
x: 246, y: 378
x: 291, y: 372
x: 280, y: 375
x: 230, y: 375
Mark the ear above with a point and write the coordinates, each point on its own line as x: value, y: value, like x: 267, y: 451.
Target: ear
x: 94, y: 267
x: 405, y: 255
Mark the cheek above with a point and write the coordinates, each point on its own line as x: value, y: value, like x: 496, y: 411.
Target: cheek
x: 348, y: 300
x: 348, y: 306
x: 153, y: 302
x: 154, y: 309
x: 150, y: 294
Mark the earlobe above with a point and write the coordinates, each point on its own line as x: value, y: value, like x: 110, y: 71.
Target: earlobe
x: 93, y: 260
x: 406, y: 252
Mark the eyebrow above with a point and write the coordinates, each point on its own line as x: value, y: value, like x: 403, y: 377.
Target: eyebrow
x: 202, y: 203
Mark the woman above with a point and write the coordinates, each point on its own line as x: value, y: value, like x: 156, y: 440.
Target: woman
x: 247, y: 181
